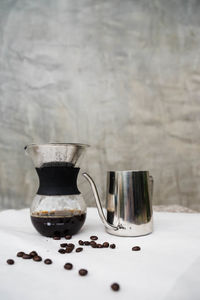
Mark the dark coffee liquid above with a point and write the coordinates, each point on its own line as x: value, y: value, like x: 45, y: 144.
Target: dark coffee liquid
x: 58, y: 225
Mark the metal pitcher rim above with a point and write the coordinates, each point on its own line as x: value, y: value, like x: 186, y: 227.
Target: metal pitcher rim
x: 128, y: 171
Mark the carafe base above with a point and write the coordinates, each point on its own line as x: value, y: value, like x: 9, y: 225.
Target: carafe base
x: 51, y: 226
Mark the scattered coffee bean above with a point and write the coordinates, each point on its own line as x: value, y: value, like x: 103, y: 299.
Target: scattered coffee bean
x: 68, y: 237
x: 64, y: 245
x: 93, y: 245
x: 26, y: 256
x: 62, y: 251
x: 99, y: 246
x: 81, y: 242
x: 105, y: 244
x: 69, y: 250
x: 68, y: 266
x: 10, y: 262
x: 56, y: 237
x: 37, y: 258
x: 20, y: 254
x: 48, y: 261
x: 79, y: 249
x: 71, y: 245
x: 83, y: 272
x: 94, y: 237
x: 33, y: 253
x: 115, y: 287
x: 136, y: 248
x: 86, y: 243
x: 112, y: 246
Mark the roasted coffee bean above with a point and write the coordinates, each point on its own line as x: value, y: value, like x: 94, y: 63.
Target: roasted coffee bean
x: 94, y: 237
x: 112, y: 246
x: 48, y: 261
x: 94, y: 245
x: 26, y: 256
x: 83, y: 272
x: 99, y: 246
x: 71, y: 245
x: 62, y: 251
x: 79, y: 249
x: 56, y: 237
x: 33, y: 253
x: 64, y: 245
x: 20, y: 254
x: 136, y: 248
x: 10, y: 262
x: 86, y: 243
x: 68, y: 237
x: 115, y: 287
x: 81, y: 242
x: 105, y: 244
x: 69, y: 250
x: 68, y: 266
x: 37, y: 258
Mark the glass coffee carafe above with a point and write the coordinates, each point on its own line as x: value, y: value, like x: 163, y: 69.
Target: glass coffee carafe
x: 58, y: 209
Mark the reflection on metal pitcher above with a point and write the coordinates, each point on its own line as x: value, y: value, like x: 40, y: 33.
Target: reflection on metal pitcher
x: 128, y: 202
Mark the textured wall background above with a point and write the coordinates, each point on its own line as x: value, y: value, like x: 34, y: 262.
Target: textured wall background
x: 123, y: 76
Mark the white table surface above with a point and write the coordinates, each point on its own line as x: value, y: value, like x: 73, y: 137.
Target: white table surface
x: 167, y: 267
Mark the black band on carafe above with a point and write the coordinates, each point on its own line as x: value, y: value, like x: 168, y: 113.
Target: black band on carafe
x: 57, y: 180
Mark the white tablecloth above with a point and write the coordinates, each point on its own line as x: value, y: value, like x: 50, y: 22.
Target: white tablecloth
x: 167, y: 267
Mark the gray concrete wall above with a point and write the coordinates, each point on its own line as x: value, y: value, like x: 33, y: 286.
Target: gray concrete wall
x: 123, y: 76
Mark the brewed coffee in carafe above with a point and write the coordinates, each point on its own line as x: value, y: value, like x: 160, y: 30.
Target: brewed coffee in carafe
x: 58, y: 208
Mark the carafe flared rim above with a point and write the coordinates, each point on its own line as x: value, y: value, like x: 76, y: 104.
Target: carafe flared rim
x: 67, y: 153
x: 57, y: 145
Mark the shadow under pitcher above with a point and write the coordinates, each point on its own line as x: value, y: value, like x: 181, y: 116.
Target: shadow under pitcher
x: 128, y: 202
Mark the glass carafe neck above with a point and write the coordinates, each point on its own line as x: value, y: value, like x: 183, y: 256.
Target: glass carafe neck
x: 57, y: 180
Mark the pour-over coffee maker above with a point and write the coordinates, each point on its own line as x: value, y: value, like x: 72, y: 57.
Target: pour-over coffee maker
x: 58, y: 209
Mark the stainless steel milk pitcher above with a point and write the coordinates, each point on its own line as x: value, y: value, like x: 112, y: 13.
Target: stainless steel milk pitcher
x: 128, y: 202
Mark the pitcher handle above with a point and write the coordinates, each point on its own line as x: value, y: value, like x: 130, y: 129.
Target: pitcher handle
x: 98, y: 202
